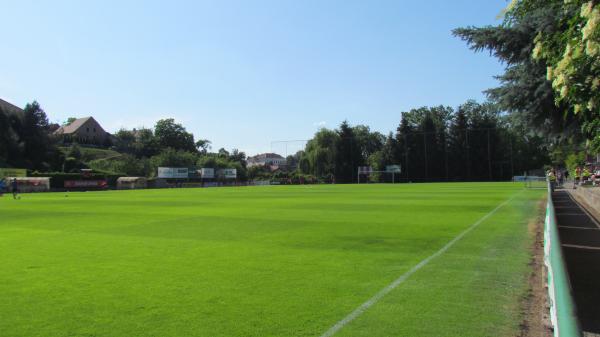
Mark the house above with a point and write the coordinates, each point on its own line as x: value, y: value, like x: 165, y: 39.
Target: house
x: 83, y: 130
x: 9, y: 107
x: 272, y: 160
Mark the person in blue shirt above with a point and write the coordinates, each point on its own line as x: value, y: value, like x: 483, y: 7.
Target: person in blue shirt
x: 1, y: 187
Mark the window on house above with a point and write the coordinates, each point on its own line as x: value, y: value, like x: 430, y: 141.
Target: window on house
x: 87, y: 129
x: 94, y: 129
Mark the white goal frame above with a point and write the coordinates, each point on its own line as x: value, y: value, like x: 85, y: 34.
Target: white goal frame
x: 363, y: 173
x: 536, y: 182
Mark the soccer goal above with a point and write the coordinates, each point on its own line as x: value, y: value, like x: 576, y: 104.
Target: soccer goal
x: 535, y: 182
x: 366, y: 175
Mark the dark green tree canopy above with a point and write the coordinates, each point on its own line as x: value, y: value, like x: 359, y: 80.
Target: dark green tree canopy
x: 174, y: 135
x: 548, y: 84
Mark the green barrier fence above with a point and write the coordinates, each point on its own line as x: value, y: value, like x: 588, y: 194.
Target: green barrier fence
x: 562, y: 308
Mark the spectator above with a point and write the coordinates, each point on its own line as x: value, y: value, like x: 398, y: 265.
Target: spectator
x: 552, y: 180
x: 560, y: 177
x: 586, y: 174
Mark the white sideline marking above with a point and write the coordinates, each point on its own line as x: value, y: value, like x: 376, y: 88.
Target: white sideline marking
x: 370, y: 302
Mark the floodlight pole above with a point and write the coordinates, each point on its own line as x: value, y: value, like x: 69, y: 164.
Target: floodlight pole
x: 489, y: 155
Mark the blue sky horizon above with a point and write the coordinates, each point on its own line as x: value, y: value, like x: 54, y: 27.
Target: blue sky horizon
x: 243, y: 74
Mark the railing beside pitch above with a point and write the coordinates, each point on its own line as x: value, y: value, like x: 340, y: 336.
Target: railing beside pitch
x: 562, y: 307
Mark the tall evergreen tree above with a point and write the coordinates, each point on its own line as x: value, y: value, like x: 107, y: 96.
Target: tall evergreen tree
x: 458, y: 147
x: 348, y: 156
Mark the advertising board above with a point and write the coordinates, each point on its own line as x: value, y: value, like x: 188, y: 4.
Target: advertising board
x: 12, y: 172
x: 85, y: 183
x: 207, y: 173
x: 229, y: 173
x: 173, y: 172
x: 393, y: 168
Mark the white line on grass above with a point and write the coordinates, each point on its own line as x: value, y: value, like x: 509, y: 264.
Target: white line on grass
x: 370, y: 302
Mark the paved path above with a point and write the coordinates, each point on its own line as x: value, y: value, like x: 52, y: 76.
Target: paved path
x: 580, y: 237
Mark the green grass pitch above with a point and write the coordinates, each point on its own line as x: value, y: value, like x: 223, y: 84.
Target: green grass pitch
x: 265, y: 261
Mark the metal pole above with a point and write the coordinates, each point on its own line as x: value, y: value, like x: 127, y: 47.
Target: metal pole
x: 406, y: 155
x: 426, y: 168
x: 512, y: 165
x: 446, y: 155
x: 468, y: 156
x: 489, y: 157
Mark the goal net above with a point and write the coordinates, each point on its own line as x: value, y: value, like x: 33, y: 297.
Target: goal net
x: 378, y: 177
x: 535, y: 182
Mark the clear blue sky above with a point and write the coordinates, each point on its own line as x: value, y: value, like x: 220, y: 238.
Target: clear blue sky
x: 242, y: 73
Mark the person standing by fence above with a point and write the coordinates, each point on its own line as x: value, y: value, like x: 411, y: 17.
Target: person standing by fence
x: 552, y: 179
x: 560, y: 178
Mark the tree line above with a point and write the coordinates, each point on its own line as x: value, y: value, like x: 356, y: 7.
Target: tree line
x: 473, y: 142
x: 168, y: 144
x: 26, y: 141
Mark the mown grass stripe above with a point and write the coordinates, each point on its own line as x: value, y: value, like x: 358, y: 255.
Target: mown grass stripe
x: 377, y: 297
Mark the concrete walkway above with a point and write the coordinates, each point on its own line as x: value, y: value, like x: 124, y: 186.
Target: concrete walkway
x: 580, y: 237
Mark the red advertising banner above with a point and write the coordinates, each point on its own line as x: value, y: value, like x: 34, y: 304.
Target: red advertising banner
x: 85, y: 183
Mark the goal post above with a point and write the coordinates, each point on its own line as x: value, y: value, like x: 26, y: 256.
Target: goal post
x: 536, y: 182
x: 366, y: 174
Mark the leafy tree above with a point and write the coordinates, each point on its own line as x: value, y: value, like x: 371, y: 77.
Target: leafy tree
x: 223, y: 153
x: 368, y: 142
x: 124, y: 141
x: 74, y: 152
x: 348, y: 154
x: 174, y: 135
x: 238, y: 157
x: 203, y: 145
x: 549, y: 78
x: 405, y: 145
x: 10, y: 146
x: 73, y: 160
x: 319, y: 156
x: 458, y: 147
x: 141, y: 142
x: 146, y: 144
x: 173, y: 158
x: 569, y: 47
x: 39, y: 150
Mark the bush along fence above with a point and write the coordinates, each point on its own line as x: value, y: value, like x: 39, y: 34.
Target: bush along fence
x: 562, y: 309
